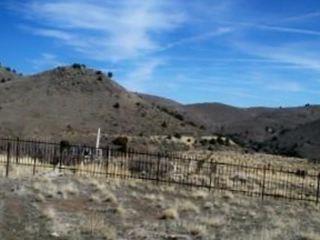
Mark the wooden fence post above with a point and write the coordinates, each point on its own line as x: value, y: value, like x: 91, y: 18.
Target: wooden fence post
x: 8, y: 158
x: 318, y: 189
x: 263, y: 181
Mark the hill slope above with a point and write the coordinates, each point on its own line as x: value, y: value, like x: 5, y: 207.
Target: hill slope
x: 287, y: 131
x: 302, y: 141
x: 72, y: 103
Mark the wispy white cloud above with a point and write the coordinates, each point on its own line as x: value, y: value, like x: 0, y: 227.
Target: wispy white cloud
x: 288, y: 30
x: 139, y: 78
x: 274, y: 28
x: 46, y: 60
x: 302, y: 17
x: 114, y: 30
x: 302, y: 54
x: 285, y: 86
x: 200, y: 37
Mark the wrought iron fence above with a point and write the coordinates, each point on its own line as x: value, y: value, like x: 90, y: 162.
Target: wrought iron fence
x: 261, y: 181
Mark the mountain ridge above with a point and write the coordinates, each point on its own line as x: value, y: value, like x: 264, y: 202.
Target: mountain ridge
x: 72, y: 102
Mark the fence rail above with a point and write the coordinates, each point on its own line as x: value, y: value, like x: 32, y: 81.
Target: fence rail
x: 260, y: 181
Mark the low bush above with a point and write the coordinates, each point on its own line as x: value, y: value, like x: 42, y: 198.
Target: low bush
x: 177, y: 135
x: 122, y: 142
x: 78, y: 66
x: 164, y: 124
x: 116, y: 105
x: 110, y: 74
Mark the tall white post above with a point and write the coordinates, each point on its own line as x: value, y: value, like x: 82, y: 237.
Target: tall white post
x: 98, y: 151
x: 98, y: 139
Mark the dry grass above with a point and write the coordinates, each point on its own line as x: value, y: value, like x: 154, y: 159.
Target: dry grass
x: 49, y: 213
x: 187, y: 206
x: 95, y: 225
x: 200, y: 194
x: 221, y: 176
x: 170, y: 213
x: 107, y: 208
x: 196, y: 229
x: 309, y: 236
x: 213, y: 221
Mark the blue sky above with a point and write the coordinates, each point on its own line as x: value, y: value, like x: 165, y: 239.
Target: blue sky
x: 239, y: 52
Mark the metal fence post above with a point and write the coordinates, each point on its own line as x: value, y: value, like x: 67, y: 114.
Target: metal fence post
x: 60, y: 157
x: 17, y: 150
x: 210, y: 172
x: 318, y: 189
x: 263, y: 181
x: 34, y: 166
x: 107, y: 162
x: 158, y: 167
x: 8, y: 158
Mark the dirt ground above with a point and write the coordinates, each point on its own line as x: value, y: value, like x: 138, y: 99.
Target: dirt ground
x: 63, y: 206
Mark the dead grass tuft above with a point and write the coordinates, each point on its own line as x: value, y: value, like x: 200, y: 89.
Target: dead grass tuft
x: 95, y: 198
x: 228, y: 195
x: 200, y: 194
x: 109, y: 197
x: 154, y: 197
x: 188, y: 206
x: 39, y: 197
x: 69, y: 189
x: 208, y: 205
x: 170, y: 213
x: 120, y: 210
x: 95, y: 225
x: 196, y: 229
x: 309, y: 236
x: 49, y: 213
x: 214, y: 221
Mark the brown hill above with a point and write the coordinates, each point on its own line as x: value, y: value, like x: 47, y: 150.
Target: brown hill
x: 72, y: 102
x: 287, y: 131
x: 7, y: 75
x: 302, y: 141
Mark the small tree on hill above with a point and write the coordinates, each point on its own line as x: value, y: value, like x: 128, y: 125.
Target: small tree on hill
x: 110, y: 74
